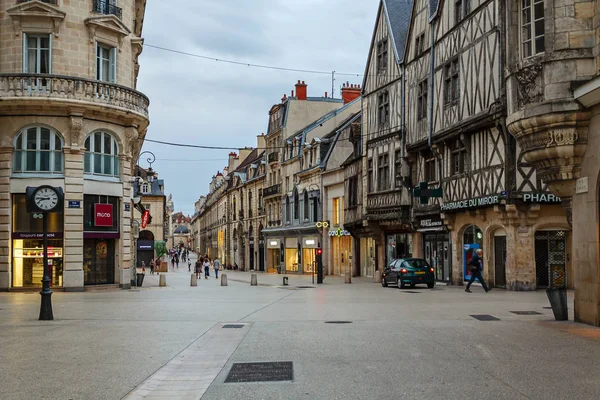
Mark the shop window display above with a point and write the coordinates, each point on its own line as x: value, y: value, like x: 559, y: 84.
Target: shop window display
x: 28, y: 262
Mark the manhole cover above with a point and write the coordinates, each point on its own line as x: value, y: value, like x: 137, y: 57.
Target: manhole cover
x: 485, y: 317
x: 338, y: 322
x: 261, y: 372
x: 409, y: 291
x: 305, y: 287
x: 526, y: 313
x: 233, y: 326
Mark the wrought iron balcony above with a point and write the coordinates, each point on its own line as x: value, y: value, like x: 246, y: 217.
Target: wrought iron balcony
x: 107, y: 8
x: 19, y: 87
x: 272, y: 190
x: 273, y: 157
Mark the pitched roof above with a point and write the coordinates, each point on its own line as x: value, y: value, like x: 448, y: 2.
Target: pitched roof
x: 181, y: 229
x: 398, y: 13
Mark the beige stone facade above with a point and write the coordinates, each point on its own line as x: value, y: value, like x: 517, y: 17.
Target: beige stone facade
x: 52, y: 93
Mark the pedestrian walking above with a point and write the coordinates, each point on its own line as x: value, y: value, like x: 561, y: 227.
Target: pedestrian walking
x: 173, y: 262
x: 189, y: 265
x: 216, y: 266
x: 143, y: 266
x: 151, y: 267
x: 476, y: 266
x: 206, y: 268
x: 198, y: 268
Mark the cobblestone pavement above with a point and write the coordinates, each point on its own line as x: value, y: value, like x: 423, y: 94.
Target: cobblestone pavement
x: 169, y: 343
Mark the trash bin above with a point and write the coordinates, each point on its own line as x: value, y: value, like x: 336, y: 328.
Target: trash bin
x: 140, y: 279
x: 558, y: 302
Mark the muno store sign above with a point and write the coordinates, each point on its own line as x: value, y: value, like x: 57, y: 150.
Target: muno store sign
x: 471, y: 203
x: 103, y: 215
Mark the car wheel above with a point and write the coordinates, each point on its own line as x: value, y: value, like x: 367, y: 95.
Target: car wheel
x: 430, y: 285
x: 412, y: 285
x: 401, y: 284
x: 383, y: 282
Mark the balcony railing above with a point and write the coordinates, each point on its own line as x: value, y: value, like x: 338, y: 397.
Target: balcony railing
x: 105, y: 7
x: 70, y: 88
x: 272, y: 190
x: 43, y: 1
x: 273, y: 157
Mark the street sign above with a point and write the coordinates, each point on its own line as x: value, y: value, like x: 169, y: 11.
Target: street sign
x: 74, y: 204
x: 424, y: 193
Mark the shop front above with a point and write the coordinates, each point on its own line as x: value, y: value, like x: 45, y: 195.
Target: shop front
x: 368, y: 257
x: 436, y: 246
x: 341, y: 250
x: 100, y: 239
x: 274, y: 255
x: 309, y: 254
x: 145, y: 248
x: 398, y: 245
x: 292, y: 253
x: 28, y: 246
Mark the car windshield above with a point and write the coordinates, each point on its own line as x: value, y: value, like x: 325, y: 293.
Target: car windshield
x: 417, y: 263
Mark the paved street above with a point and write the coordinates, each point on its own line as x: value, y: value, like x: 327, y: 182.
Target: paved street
x: 169, y: 343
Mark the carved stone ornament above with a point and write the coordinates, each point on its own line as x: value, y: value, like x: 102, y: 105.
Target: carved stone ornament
x: 131, y: 133
x: 529, y: 84
x: 76, y: 125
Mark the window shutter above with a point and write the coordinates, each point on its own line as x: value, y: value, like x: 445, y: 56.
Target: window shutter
x: 25, y: 54
x: 113, y: 65
x: 96, y: 62
x: 50, y: 53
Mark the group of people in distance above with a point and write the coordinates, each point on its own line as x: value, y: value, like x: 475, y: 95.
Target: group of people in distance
x: 206, y: 263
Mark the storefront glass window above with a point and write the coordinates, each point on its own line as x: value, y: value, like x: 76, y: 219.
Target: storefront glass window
x: 28, y: 262
x: 291, y: 259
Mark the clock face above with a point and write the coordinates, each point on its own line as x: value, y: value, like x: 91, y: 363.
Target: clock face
x: 46, y: 199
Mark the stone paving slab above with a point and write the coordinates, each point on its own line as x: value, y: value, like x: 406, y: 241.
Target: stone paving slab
x: 191, y: 372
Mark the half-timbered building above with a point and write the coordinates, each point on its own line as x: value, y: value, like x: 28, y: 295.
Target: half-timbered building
x: 457, y: 141
x: 386, y: 199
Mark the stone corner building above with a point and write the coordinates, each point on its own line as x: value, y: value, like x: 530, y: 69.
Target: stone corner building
x: 69, y: 116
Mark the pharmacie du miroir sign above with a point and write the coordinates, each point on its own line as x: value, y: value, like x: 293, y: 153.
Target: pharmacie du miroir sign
x: 472, y: 203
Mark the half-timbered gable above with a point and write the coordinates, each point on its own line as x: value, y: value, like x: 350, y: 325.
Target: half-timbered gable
x: 383, y: 111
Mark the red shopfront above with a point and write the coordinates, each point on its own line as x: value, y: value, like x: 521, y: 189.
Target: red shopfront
x: 100, y: 239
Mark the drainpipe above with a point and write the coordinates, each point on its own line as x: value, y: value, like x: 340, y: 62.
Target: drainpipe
x: 403, y: 102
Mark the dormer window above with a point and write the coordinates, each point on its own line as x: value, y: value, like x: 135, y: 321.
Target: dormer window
x: 145, y: 188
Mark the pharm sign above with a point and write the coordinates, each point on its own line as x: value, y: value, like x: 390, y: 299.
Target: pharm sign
x: 103, y: 215
x: 145, y: 219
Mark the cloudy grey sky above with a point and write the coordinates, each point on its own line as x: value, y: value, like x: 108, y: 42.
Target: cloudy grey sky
x: 210, y: 103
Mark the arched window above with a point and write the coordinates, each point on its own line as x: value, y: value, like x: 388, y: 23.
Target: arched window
x: 38, y: 149
x: 145, y: 188
x: 296, y: 204
x: 102, y: 155
x: 306, y: 212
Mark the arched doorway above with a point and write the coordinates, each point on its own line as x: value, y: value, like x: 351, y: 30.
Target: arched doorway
x: 145, y: 248
x: 251, y: 247
x: 261, y: 249
x: 472, y: 240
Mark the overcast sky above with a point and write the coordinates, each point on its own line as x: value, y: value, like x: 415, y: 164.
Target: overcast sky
x: 211, y: 103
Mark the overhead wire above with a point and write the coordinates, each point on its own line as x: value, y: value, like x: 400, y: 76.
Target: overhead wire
x: 206, y: 147
x: 265, y: 66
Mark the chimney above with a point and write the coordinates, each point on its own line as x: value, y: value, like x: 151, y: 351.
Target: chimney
x: 301, y: 90
x: 232, y: 164
x: 244, y: 153
x: 261, y: 142
x: 284, y: 98
x: 350, y: 92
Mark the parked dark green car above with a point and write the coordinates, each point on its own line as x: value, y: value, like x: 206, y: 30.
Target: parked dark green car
x: 408, y: 271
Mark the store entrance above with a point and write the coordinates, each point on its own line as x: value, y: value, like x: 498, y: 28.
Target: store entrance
x: 550, y: 254
x: 98, y: 261
x: 500, y: 261
x: 436, y: 248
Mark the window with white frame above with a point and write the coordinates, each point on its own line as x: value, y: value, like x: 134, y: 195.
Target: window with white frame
x: 106, y: 63
x: 451, y: 81
x: 37, y: 54
x: 102, y: 155
x: 532, y: 27
x: 422, y: 100
x: 145, y: 188
x: 38, y: 149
